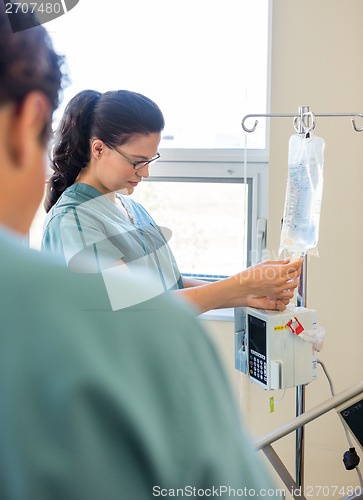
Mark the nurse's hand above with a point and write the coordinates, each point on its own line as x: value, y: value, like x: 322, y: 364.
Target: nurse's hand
x: 266, y: 303
x: 274, y: 279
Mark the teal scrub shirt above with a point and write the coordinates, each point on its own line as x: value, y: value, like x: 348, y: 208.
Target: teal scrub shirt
x: 92, y: 235
x: 117, y: 405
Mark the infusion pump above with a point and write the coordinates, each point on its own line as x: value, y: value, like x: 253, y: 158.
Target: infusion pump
x: 270, y: 348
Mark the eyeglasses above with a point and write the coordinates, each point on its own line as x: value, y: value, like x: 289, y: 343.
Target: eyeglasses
x: 138, y: 164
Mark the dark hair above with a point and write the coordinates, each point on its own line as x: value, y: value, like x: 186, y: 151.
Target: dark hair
x: 28, y: 62
x: 113, y: 117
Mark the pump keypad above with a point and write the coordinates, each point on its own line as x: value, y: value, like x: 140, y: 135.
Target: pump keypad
x: 258, y: 369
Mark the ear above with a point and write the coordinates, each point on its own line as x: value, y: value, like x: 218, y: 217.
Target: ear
x: 32, y: 116
x: 97, y: 148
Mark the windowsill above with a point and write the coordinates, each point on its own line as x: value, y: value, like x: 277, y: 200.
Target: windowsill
x: 218, y: 315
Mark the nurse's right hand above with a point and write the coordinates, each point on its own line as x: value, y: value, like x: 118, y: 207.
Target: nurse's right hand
x: 274, y: 279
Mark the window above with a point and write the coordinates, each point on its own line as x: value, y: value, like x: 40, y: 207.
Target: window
x: 208, y: 243
x: 206, y: 64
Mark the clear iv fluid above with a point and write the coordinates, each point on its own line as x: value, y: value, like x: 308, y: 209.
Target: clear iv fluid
x: 302, y: 216
x: 300, y: 229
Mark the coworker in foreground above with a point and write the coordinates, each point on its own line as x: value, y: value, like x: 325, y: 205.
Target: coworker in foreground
x: 104, y: 145
x: 95, y: 404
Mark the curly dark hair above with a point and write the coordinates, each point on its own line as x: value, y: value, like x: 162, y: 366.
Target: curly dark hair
x: 28, y: 62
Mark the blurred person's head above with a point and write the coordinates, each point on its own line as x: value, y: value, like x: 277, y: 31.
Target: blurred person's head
x: 30, y: 84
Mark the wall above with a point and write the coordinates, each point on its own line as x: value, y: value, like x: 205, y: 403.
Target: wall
x: 317, y: 60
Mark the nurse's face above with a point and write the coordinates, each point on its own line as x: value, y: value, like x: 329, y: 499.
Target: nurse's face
x: 113, y: 168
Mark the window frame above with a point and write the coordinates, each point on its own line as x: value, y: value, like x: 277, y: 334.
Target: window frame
x: 255, y: 172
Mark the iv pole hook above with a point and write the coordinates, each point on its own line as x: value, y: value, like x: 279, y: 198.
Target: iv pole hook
x: 246, y: 129
x: 357, y: 129
x: 253, y: 128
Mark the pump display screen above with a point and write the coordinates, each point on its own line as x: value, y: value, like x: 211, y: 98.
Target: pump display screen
x: 257, y: 349
x: 353, y: 415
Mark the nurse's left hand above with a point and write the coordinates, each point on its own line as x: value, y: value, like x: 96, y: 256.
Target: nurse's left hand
x: 267, y: 303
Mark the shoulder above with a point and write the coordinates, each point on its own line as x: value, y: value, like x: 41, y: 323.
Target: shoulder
x: 77, y: 206
x: 74, y: 196
x: 67, y: 202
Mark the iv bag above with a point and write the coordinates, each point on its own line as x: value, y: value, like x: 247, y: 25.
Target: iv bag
x: 300, y: 226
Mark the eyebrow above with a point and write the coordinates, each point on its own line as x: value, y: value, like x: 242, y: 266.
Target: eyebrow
x: 142, y: 157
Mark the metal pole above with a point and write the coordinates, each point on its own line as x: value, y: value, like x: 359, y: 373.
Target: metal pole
x: 299, y: 439
x: 300, y: 391
x: 301, y: 302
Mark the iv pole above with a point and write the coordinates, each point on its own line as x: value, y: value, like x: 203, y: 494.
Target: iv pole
x: 304, y: 122
x: 301, y: 301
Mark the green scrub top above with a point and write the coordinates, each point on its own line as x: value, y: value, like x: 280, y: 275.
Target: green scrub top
x: 92, y: 235
x: 98, y: 404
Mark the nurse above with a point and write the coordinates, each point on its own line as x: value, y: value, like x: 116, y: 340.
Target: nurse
x: 103, y: 148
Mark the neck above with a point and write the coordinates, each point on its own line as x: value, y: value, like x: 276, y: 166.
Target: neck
x: 86, y: 177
